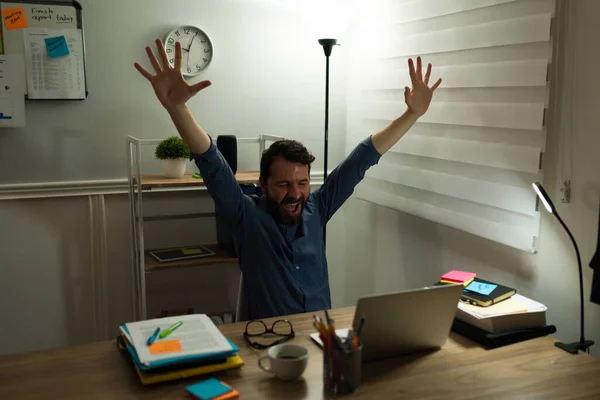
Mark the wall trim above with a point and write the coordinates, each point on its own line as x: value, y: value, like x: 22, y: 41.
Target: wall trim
x: 46, y: 190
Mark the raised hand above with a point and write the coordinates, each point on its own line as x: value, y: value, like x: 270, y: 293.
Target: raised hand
x: 419, y: 97
x: 169, y: 85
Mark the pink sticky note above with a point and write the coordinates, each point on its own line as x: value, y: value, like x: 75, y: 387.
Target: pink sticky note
x: 458, y: 276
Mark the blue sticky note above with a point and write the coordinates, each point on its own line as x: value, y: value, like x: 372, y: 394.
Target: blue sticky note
x: 481, y: 288
x: 208, y: 389
x: 57, y: 47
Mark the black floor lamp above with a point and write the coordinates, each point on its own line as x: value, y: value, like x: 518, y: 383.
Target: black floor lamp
x: 583, y: 344
x: 327, y: 48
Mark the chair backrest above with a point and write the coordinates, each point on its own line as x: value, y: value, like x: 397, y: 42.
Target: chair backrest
x: 241, y: 309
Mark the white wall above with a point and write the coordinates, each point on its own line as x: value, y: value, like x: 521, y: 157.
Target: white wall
x: 268, y: 77
x: 399, y: 251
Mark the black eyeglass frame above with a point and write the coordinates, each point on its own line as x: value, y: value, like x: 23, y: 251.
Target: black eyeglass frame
x: 260, y: 346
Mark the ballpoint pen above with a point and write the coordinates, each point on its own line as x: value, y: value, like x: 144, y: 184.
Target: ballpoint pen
x: 170, y: 330
x: 152, y: 338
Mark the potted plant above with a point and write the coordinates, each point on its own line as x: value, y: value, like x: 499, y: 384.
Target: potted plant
x: 175, y: 154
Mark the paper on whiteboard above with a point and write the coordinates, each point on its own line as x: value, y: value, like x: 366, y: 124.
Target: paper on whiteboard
x: 54, y: 78
x: 12, y: 91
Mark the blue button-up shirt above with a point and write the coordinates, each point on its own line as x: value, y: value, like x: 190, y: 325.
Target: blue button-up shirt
x: 284, y: 267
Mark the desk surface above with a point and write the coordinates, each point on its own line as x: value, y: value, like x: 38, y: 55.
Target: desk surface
x: 535, y: 369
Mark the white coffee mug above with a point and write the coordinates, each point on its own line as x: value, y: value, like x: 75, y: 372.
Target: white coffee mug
x: 286, y: 361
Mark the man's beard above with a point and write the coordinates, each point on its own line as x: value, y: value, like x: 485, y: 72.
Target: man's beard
x: 278, y: 210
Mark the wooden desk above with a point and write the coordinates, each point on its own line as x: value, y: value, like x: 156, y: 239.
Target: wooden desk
x: 535, y: 369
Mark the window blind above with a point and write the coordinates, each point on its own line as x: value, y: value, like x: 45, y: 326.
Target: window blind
x: 470, y: 161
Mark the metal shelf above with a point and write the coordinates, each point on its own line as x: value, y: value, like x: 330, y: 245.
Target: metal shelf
x: 138, y: 183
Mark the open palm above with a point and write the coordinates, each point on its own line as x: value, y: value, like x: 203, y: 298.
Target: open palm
x: 419, y: 97
x: 169, y: 85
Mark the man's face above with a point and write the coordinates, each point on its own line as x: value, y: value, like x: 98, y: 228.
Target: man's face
x: 288, y: 187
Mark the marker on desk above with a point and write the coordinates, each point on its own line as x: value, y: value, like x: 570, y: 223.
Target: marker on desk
x: 170, y: 330
x: 152, y: 338
x: 327, y: 318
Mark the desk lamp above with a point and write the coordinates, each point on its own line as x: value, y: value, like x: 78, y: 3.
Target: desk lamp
x: 582, y: 344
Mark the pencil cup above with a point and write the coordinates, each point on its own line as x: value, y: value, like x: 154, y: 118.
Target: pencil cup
x: 341, y: 370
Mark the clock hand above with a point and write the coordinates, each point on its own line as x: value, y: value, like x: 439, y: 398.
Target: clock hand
x: 191, y: 42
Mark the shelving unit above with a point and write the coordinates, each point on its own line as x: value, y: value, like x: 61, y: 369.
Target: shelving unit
x: 142, y: 261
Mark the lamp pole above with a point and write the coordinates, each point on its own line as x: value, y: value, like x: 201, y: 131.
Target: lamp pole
x: 583, y: 344
x: 327, y: 49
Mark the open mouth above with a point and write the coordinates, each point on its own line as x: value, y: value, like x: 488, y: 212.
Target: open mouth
x: 291, y: 209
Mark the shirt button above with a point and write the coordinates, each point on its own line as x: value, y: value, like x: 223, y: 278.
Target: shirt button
x: 297, y: 267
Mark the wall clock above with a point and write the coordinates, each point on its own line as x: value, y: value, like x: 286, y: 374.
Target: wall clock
x: 197, y: 49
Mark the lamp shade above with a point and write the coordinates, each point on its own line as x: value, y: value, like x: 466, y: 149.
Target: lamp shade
x: 539, y: 189
x: 327, y: 19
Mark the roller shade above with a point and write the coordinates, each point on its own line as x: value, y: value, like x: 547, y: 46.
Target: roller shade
x: 470, y: 161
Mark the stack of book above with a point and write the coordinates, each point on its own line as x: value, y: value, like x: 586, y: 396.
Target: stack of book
x: 178, y: 347
x: 517, y: 312
x: 493, y: 314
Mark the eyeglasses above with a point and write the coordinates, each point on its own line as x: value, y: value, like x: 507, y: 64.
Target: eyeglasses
x: 281, y: 327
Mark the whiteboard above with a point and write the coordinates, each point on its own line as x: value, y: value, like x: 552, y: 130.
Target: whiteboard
x: 49, y: 16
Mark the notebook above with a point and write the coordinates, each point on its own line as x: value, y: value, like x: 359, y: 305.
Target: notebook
x: 176, y: 371
x: 197, y: 339
x: 495, y: 340
x: 485, y: 293
x: 517, y: 312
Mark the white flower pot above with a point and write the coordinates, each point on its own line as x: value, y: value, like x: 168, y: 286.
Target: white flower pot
x: 175, y: 167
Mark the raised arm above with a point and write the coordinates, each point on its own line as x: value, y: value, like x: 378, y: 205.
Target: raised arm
x: 173, y: 92
x: 417, y: 100
x: 341, y: 182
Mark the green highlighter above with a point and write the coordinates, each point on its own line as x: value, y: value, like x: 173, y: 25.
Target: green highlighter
x: 170, y: 330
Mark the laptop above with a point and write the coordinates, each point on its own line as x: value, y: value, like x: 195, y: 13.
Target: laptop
x: 407, y: 321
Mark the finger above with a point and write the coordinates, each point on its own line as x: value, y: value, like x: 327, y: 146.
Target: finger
x: 153, y: 60
x: 178, y: 56
x: 162, y: 53
x: 143, y: 71
x: 427, y: 74
x: 411, y: 71
x: 435, y: 85
x: 419, y: 69
x: 406, y: 94
x: 200, y: 85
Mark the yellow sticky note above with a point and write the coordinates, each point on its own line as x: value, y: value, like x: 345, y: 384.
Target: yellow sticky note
x: 167, y: 346
x: 189, y: 252
x: 14, y: 18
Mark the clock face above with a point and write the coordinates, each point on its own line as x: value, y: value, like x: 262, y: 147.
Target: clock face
x: 197, y: 49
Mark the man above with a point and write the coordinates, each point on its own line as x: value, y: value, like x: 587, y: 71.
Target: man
x: 279, y: 236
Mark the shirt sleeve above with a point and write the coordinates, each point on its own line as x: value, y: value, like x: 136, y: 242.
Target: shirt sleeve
x: 340, y: 184
x: 230, y: 201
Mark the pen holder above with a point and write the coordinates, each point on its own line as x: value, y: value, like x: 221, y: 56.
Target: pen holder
x: 342, y: 370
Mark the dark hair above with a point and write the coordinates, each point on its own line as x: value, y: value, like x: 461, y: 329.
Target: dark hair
x: 290, y: 150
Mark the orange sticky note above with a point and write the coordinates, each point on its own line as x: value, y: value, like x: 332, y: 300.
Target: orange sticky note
x: 14, y: 18
x: 168, y: 346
